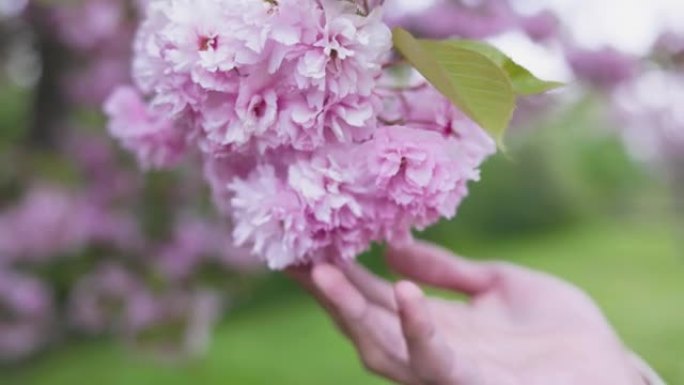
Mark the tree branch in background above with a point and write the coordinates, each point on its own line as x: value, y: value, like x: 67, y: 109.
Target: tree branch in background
x: 49, y: 105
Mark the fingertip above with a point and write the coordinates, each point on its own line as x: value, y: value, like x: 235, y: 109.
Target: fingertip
x: 424, y: 248
x: 299, y: 274
x: 395, y: 251
x: 408, y: 292
x: 435, y: 266
x: 335, y: 287
x: 406, y: 247
x: 413, y: 311
x: 406, y: 257
x: 430, y: 357
x: 376, y: 290
x: 325, y: 276
x: 345, y: 267
x: 397, y: 247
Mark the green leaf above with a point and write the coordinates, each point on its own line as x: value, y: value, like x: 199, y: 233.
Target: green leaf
x: 524, y: 82
x: 470, y: 79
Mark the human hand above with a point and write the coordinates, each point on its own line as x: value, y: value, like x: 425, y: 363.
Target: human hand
x: 520, y: 327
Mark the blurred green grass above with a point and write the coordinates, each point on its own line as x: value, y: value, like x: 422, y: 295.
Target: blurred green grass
x: 632, y: 267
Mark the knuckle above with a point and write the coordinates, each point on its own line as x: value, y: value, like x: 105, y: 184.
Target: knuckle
x: 502, y: 269
x: 373, y: 360
x: 426, y: 376
x: 420, y: 330
x: 355, y: 313
x: 360, y: 313
x: 433, y: 373
x: 430, y: 379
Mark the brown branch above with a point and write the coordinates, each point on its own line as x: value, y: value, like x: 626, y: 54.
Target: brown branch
x: 49, y: 103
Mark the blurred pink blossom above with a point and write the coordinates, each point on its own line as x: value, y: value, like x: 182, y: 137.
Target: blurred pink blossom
x: 51, y: 222
x: 26, y: 311
x: 156, y: 141
x: 173, y: 324
x: 605, y: 68
x: 98, y: 301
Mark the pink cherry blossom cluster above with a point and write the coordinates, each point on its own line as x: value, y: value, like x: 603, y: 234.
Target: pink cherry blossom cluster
x: 312, y: 145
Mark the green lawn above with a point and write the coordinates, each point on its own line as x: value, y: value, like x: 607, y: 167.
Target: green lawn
x: 635, y: 271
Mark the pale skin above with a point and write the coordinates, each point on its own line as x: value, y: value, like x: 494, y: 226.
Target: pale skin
x: 519, y: 327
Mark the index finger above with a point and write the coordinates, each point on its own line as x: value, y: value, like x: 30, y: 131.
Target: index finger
x: 438, y: 267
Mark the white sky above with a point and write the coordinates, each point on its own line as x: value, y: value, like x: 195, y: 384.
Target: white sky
x: 11, y: 7
x: 628, y: 25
